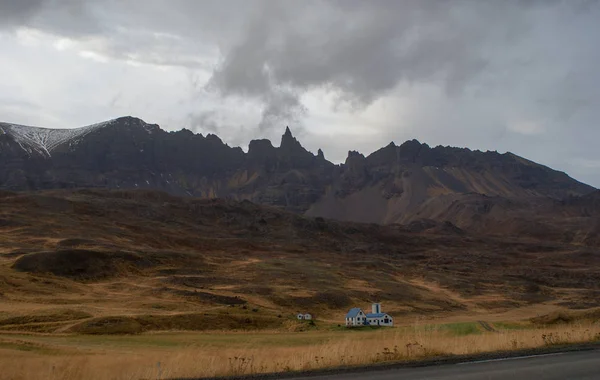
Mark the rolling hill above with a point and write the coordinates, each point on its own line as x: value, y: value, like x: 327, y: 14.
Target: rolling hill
x: 91, y: 260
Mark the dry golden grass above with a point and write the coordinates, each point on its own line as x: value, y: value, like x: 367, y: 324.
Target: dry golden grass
x: 23, y: 359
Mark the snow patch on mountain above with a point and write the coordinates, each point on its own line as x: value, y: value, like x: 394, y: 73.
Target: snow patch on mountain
x: 44, y: 140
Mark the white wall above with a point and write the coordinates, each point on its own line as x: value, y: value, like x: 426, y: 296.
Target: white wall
x: 356, y: 321
x: 380, y: 321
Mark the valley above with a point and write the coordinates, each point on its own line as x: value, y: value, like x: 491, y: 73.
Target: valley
x: 112, y: 253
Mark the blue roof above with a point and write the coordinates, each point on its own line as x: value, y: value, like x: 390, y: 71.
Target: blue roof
x: 376, y: 315
x: 353, y: 312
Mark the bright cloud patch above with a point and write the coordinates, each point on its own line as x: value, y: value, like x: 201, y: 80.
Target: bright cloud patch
x: 526, y: 128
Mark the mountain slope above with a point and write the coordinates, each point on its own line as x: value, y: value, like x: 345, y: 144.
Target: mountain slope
x: 395, y: 184
x: 115, y: 252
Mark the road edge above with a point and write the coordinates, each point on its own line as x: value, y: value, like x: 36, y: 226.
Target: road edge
x: 442, y: 360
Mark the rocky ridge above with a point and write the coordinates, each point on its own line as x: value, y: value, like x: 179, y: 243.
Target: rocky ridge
x: 396, y: 184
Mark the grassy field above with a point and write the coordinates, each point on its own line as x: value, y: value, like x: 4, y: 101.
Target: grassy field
x: 164, y: 355
x: 106, y: 285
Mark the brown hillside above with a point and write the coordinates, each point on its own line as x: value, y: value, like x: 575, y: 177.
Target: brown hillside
x: 144, y: 253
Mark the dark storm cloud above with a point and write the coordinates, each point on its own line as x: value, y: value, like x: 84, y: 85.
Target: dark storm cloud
x: 364, y: 49
x: 65, y: 17
x: 18, y: 12
x: 282, y: 106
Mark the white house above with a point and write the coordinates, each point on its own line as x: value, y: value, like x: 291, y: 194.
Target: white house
x: 304, y: 316
x: 356, y: 317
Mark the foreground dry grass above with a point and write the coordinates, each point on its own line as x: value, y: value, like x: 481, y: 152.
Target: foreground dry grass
x: 29, y: 357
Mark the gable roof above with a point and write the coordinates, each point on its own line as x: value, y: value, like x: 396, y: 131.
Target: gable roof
x: 353, y: 312
x: 377, y: 315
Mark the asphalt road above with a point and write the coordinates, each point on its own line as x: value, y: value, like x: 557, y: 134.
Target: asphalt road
x: 583, y: 365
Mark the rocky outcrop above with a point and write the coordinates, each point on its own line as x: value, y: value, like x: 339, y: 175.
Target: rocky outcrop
x: 391, y: 185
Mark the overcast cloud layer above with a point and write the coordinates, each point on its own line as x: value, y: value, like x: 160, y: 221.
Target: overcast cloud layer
x: 518, y: 76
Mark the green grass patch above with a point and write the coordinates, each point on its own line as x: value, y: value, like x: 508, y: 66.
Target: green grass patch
x: 53, y: 316
x: 26, y: 346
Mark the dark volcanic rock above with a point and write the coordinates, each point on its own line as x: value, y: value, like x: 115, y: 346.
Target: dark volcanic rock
x: 390, y: 185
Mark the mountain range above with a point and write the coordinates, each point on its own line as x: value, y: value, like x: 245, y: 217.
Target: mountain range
x: 412, y: 184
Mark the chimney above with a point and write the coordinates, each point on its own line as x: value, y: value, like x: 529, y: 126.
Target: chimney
x: 376, y: 308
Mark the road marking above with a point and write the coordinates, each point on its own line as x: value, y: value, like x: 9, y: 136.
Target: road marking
x: 515, y: 358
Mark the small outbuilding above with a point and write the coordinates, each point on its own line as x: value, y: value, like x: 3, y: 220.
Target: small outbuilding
x: 304, y: 316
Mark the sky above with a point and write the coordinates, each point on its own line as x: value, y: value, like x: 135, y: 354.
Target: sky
x: 512, y: 75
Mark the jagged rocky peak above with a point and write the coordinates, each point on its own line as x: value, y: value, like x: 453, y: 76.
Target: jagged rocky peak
x: 385, y: 155
x: 188, y: 133
x: 291, y: 147
x: 320, y: 154
x: 411, y: 150
x: 353, y: 157
x: 288, y: 141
